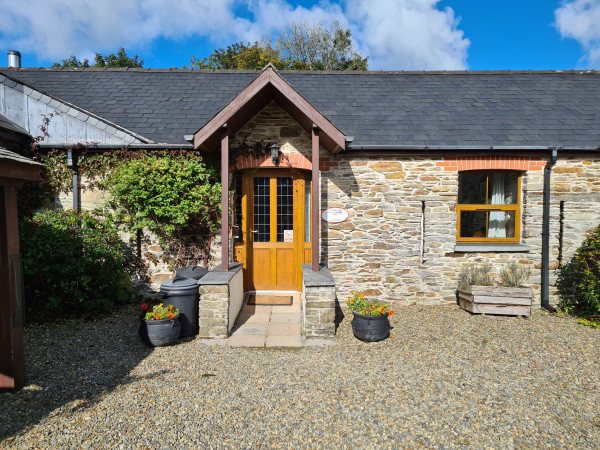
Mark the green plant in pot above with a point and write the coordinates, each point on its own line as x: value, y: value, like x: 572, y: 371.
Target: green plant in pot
x: 481, y: 291
x: 370, y: 318
x: 159, y: 325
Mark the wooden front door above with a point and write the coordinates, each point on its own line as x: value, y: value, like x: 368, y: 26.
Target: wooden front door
x: 272, y: 208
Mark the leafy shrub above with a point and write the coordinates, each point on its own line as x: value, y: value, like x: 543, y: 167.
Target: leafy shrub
x: 72, y: 264
x: 579, y: 280
x: 476, y: 274
x: 178, y: 199
x: 512, y: 275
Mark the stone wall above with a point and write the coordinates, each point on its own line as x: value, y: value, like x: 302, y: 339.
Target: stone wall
x: 318, y: 303
x: 220, y: 302
x: 398, y: 243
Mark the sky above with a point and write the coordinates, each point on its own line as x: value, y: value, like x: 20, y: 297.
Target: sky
x: 394, y: 34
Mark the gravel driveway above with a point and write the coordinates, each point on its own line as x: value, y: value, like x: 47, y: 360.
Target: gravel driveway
x: 443, y: 379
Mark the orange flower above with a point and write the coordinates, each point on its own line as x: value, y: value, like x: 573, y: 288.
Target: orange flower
x: 391, y: 313
x: 362, y: 295
x: 157, y: 317
x: 171, y: 315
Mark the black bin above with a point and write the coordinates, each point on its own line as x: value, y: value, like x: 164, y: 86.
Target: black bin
x: 182, y: 293
x: 193, y: 272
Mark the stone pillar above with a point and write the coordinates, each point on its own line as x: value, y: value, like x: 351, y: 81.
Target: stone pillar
x: 221, y: 295
x: 318, y: 303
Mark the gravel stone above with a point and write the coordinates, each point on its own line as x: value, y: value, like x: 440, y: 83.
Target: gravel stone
x: 444, y: 379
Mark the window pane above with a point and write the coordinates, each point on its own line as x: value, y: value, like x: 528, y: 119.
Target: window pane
x: 472, y: 188
x: 501, y: 224
x: 262, y: 209
x: 487, y: 224
x: 285, y: 206
x: 503, y: 187
x: 307, y: 218
x: 237, y: 226
x: 473, y: 224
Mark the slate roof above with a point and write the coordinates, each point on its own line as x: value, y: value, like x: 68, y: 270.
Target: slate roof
x: 12, y: 156
x: 517, y: 109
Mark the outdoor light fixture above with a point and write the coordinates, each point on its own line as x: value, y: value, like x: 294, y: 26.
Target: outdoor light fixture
x: 275, y: 154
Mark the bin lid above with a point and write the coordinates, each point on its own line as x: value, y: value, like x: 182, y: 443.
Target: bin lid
x: 179, y: 286
x: 194, y: 272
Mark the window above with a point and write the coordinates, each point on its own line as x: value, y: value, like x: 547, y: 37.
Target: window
x: 488, y: 206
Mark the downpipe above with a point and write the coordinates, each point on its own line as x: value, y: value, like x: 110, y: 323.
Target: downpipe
x: 545, y: 291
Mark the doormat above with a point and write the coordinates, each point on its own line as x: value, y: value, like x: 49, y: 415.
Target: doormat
x: 270, y: 300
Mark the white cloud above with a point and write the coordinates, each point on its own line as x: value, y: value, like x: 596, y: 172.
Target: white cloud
x: 396, y: 34
x: 408, y: 34
x: 580, y: 20
x: 55, y: 29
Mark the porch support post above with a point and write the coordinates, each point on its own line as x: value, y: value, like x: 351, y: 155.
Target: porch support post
x: 315, y: 199
x: 224, y: 198
x: 12, y: 359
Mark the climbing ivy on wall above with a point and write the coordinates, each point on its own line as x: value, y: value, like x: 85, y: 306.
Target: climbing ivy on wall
x: 173, y: 193
x: 178, y: 199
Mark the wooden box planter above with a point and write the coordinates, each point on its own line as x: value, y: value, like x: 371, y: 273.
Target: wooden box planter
x: 509, y: 301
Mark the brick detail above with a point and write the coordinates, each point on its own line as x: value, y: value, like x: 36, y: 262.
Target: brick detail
x: 327, y: 163
x: 458, y: 164
x: 294, y: 160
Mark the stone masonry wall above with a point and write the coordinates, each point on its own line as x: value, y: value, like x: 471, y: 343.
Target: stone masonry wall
x: 213, y: 314
x: 318, y: 303
x: 398, y: 243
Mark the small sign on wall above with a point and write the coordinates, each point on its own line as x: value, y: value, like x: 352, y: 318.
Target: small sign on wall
x: 288, y: 235
x: 334, y: 215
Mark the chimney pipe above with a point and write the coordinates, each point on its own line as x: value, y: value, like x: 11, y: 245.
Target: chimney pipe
x: 14, y: 59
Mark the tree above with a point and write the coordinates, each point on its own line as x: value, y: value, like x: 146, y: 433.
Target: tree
x: 300, y: 46
x: 240, y: 56
x: 119, y: 60
x: 316, y: 47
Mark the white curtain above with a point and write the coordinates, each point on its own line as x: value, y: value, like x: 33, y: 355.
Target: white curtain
x: 497, y: 222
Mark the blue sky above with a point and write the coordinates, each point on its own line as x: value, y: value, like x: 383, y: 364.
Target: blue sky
x: 395, y: 34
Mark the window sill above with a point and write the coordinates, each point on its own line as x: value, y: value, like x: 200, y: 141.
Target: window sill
x: 491, y: 248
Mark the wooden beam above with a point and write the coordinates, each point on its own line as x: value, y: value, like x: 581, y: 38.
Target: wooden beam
x: 20, y: 171
x: 224, y: 198
x: 12, y: 360
x: 315, y: 199
x: 270, y: 85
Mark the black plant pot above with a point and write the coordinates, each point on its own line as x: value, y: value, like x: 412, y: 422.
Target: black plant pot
x: 371, y: 328
x: 157, y: 333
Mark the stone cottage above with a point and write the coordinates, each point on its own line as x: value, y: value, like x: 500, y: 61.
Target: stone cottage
x: 382, y: 182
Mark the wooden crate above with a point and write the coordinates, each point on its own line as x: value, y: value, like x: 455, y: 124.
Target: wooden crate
x: 495, y: 300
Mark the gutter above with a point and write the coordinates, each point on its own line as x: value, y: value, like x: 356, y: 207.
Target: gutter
x: 376, y: 150
x: 93, y: 146
x: 545, y: 296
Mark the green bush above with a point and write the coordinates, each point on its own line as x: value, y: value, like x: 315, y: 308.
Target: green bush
x: 72, y: 263
x: 579, y: 280
x: 176, y: 198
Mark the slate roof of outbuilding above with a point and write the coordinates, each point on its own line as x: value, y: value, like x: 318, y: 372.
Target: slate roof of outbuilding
x: 376, y: 108
x: 12, y: 156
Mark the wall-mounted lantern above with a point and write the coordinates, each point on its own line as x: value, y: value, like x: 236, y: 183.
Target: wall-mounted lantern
x: 275, y: 154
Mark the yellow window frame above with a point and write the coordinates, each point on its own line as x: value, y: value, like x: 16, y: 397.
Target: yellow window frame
x: 516, y: 208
